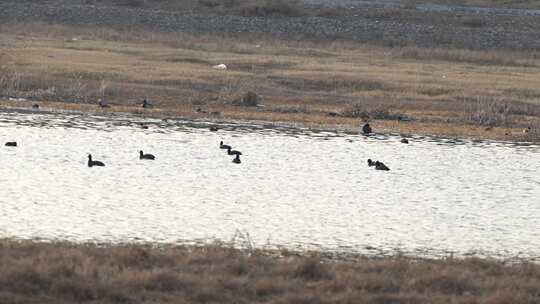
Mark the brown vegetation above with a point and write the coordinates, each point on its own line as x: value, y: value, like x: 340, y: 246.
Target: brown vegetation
x: 407, y: 90
x: 32, y: 272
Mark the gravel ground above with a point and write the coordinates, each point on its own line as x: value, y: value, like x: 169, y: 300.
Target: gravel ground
x: 369, y: 24
x: 426, y: 7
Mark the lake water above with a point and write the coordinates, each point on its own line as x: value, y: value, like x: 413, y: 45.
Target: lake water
x: 295, y: 188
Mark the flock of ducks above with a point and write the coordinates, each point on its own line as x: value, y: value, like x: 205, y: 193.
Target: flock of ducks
x: 97, y: 163
x: 147, y: 156
x: 230, y: 151
x: 366, y: 129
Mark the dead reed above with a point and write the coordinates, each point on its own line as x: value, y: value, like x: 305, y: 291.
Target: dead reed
x: 63, y: 272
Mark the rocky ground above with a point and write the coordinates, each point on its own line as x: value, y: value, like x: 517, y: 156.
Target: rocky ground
x: 382, y: 25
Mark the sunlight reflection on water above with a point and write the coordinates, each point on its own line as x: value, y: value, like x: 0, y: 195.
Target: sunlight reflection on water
x: 298, y: 188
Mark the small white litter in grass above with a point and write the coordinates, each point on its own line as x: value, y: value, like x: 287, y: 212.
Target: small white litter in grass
x: 220, y: 67
x: 17, y: 99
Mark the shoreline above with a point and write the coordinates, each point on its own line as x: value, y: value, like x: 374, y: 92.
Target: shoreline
x: 395, y: 128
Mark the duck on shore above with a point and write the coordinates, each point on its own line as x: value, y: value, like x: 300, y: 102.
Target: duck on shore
x: 366, y: 129
x: 146, y: 104
x: 102, y: 104
x: 92, y: 163
x: 146, y: 156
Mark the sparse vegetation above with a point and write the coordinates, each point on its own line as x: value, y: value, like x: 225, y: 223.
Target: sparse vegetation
x: 409, y: 89
x: 250, y: 99
x: 370, y: 111
x: 33, y: 272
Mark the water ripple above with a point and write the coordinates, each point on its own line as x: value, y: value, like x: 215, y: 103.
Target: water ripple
x: 298, y: 188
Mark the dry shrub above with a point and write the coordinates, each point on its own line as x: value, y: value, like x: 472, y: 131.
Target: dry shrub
x: 487, y: 111
x: 291, y: 109
x: 446, y: 283
x: 365, y: 111
x: 466, y: 56
x: 250, y: 99
x: 264, y: 8
x: 435, y: 91
x: 10, y: 82
x: 166, y: 281
x: 312, y: 269
x: 330, y: 83
x: 73, y: 289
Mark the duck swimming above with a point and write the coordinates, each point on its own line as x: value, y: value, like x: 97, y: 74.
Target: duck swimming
x: 11, y: 144
x: 404, y: 141
x: 378, y: 165
x: 381, y: 166
x: 222, y: 146
x: 214, y: 129
x: 146, y: 156
x: 92, y: 163
x: 233, y: 152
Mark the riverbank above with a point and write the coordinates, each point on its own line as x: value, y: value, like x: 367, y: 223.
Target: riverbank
x: 75, y: 273
x: 454, y: 93
x: 405, y: 71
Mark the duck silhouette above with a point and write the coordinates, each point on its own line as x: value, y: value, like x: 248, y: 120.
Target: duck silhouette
x: 102, y: 104
x: 380, y: 166
x: 404, y: 141
x: 11, y: 144
x: 222, y: 146
x: 146, y: 156
x: 236, y: 160
x: 92, y: 163
x: 233, y: 152
x: 146, y: 104
x: 366, y: 129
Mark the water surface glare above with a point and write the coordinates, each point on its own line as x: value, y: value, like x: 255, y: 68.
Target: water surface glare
x: 298, y: 188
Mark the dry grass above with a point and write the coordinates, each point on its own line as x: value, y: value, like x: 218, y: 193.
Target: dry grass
x: 307, y: 82
x: 32, y: 272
